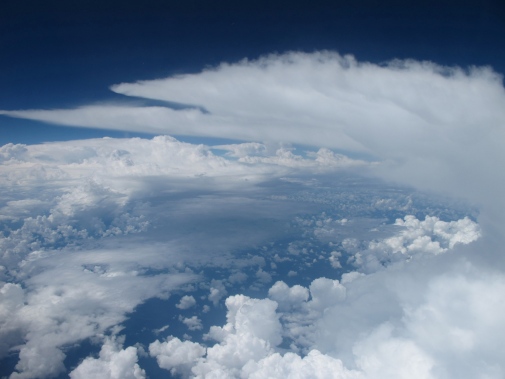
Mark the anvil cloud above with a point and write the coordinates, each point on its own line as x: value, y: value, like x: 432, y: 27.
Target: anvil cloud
x: 421, y: 298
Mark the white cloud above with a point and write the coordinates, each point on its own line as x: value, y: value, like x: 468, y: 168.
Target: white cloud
x: 175, y: 355
x: 70, y: 296
x: 77, y: 196
x: 421, y: 323
x: 417, y: 239
x: 192, y: 323
x: 217, y: 291
x: 313, y: 366
x: 251, y: 332
x: 335, y: 259
x: 186, y: 302
x: 288, y: 297
x: 396, y: 111
x: 113, y: 363
x: 417, y: 314
x: 325, y: 292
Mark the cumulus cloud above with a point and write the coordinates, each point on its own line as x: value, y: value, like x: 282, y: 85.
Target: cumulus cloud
x: 186, y: 302
x: 417, y: 239
x: 430, y: 304
x: 437, y: 324
x: 217, y: 291
x: 73, y: 296
x: 77, y: 196
x: 192, y: 323
x: 175, y: 355
x: 252, y: 330
x: 112, y: 363
x: 288, y: 297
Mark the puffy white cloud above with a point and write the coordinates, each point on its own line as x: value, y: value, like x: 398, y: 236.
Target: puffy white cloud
x: 193, y: 322
x: 435, y: 316
x: 417, y: 239
x: 186, y: 302
x: 75, y: 295
x: 112, y: 363
x: 313, y: 366
x: 288, y: 297
x: 326, y: 292
x: 175, y: 355
x: 78, y: 290
x: 420, y: 323
x: 217, y: 291
x: 77, y: 196
x: 251, y: 332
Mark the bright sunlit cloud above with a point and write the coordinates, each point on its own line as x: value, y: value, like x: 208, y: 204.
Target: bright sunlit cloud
x: 437, y: 126
x: 356, y: 271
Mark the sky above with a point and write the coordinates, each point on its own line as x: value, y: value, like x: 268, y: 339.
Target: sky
x: 250, y: 190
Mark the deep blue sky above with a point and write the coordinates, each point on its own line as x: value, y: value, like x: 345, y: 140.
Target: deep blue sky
x: 59, y: 54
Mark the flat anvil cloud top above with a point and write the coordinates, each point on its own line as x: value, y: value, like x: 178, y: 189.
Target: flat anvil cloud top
x: 428, y: 121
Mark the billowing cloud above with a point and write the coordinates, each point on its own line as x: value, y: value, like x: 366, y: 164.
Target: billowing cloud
x: 417, y: 239
x: 175, y: 355
x: 192, y: 323
x: 73, y: 236
x: 113, y: 363
x: 370, y: 327
x: 186, y: 302
x: 427, y: 121
x: 93, y: 229
x: 71, y: 296
x: 217, y: 291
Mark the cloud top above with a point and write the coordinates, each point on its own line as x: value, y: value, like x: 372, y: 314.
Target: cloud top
x: 437, y: 126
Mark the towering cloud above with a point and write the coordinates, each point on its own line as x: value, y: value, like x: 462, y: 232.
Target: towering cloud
x: 92, y: 229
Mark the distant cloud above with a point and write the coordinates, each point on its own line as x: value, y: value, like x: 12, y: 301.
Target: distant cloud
x: 425, y: 121
x: 217, y: 291
x: 88, y: 291
x: 358, y: 330
x: 113, y: 363
x: 418, y: 238
x: 175, y: 355
x: 192, y: 323
x: 186, y: 302
x: 94, y: 228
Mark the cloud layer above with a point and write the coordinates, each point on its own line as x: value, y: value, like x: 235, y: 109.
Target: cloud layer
x: 372, y: 326
x: 75, y: 255
x: 92, y: 229
x: 427, y: 121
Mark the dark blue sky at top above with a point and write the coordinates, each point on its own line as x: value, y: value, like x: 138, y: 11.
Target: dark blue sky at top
x: 57, y: 54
